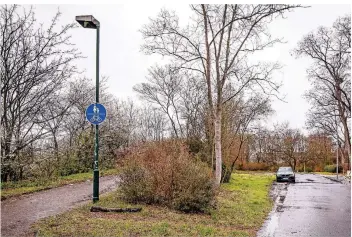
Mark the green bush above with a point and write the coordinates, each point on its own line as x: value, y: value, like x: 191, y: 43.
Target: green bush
x: 166, y: 173
x: 332, y: 168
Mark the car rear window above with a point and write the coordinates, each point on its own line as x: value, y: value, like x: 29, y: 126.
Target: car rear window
x: 285, y: 169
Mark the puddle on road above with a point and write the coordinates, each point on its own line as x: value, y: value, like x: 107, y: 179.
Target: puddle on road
x: 310, y: 182
x: 271, y: 227
x: 271, y: 224
x: 280, y: 208
x: 282, y: 198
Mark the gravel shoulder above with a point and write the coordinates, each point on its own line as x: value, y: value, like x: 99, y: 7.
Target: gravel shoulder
x: 18, y: 213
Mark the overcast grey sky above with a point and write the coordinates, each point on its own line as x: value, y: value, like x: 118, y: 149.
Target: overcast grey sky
x: 125, y: 65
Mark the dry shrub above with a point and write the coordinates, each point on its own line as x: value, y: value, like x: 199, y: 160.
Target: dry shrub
x: 345, y: 167
x: 318, y: 168
x: 254, y: 166
x: 192, y: 187
x: 134, y: 185
x: 166, y: 173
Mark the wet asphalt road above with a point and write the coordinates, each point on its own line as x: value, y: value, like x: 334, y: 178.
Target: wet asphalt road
x: 313, y: 206
x: 17, y: 214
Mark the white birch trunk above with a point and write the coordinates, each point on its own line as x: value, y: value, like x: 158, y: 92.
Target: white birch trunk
x: 218, y: 157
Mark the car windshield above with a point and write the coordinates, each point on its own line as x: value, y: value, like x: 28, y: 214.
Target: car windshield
x: 285, y: 169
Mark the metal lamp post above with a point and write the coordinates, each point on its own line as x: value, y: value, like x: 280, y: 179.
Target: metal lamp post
x: 88, y: 21
x: 337, y: 148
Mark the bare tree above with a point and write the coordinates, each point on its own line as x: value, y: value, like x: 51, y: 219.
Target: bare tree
x: 238, y: 120
x: 258, y: 144
x: 330, y: 49
x: 291, y: 144
x: 319, y: 150
x: 323, y: 117
x: 80, y: 94
x: 152, y: 124
x: 58, y: 112
x: 164, y: 90
x: 216, y: 45
x: 119, y: 131
x: 35, y: 62
x: 193, y: 106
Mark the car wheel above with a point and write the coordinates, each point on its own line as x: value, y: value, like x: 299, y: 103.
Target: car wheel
x: 294, y: 181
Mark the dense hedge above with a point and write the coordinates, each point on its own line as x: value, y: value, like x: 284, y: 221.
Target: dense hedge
x: 332, y: 168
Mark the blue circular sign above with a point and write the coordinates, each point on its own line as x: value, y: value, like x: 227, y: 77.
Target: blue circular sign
x: 96, y: 113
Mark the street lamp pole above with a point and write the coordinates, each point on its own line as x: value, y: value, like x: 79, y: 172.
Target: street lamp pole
x: 88, y: 21
x: 96, y: 148
x: 337, y: 149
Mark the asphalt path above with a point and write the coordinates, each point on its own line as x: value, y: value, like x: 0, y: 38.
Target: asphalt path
x: 313, y: 206
x: 17, y: 214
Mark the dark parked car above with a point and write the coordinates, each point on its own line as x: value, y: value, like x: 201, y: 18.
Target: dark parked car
x: 285, y: 174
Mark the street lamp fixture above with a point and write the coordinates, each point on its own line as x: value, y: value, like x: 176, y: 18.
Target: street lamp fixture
x: 88, y: 21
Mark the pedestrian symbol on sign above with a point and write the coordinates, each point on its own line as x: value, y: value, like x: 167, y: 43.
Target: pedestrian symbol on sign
x: 96, y: 113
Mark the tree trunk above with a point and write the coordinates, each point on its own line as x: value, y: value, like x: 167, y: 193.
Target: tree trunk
x: 347, y: 137
x: 343, y: 120
x: 304, y: 167
x: 209, y: 135
x: 56, y: 148
x: 210, y: 101
x: 294, y: 164
x: 218, y: 157
x: 7, y: 159
x: 102, y: 209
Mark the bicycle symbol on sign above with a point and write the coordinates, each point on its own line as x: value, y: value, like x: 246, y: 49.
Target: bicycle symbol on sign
x: 95, y: 113
x: 95, y: 117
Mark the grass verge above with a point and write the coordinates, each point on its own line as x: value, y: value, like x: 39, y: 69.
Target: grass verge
x: 242, y: 206
x: 12, y: 189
